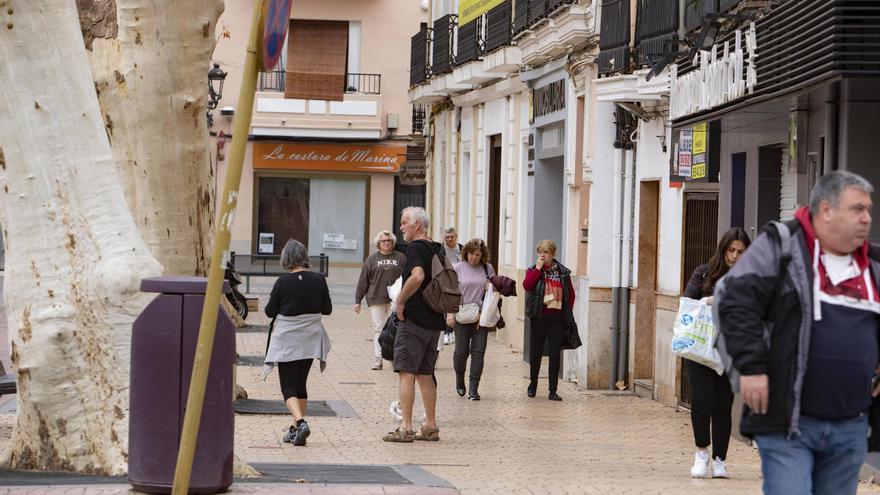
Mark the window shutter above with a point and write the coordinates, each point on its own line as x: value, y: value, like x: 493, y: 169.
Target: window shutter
x: 317, y: 57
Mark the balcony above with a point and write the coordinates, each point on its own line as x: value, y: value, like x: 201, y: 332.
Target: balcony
x: 419, y: 70
x: 418, y: 119
x: 656, y: 30
x: 368, y: 84
x: 551, y: 28
x: 442, y: 56
x: 614, y: 37
x: 358, y: 116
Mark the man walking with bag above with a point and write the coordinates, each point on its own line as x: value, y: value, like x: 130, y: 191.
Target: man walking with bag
x: 799, y: 317
x: 415, y: 348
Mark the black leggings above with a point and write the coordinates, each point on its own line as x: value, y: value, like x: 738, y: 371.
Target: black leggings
x: 546, y: 328
x: 293, y: 375
x: 711, y: 401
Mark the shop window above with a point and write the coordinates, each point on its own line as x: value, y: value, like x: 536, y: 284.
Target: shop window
x: 317, y: 60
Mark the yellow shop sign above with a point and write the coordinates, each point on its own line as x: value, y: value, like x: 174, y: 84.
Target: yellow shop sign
x: 469, y: 10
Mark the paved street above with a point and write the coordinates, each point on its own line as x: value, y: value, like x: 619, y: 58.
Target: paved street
x: 591, y: 443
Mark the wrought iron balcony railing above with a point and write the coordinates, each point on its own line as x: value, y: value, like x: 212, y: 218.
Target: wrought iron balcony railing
x: 370, y: 84
x: 499, y: 26
x: 442, y: 57
x: 419, y: 69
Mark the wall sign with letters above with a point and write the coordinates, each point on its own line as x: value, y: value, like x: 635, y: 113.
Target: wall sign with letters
x: 548, y: 99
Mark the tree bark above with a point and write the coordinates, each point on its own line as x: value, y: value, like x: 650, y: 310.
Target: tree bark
x: 74, y: 255
x: 151, y: 79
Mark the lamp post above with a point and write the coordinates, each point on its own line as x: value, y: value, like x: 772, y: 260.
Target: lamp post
x: 216, y: 76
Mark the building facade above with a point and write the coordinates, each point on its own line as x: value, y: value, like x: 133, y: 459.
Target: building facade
x: 335, y: 149
x: 505, y: 140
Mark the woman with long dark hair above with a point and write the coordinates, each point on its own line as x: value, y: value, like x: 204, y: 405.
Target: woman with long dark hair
x: 711, y: 395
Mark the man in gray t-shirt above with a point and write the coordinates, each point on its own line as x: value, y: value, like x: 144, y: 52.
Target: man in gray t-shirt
x: 451, y: 245
x: 453, y: 253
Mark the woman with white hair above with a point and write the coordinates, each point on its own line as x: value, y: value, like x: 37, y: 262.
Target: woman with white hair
x: 380, y: 270
x: 298, y: 337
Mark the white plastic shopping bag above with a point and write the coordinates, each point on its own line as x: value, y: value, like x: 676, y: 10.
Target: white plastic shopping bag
x: 695, y: 334
x: 394, y: 290
x: 490, y: 313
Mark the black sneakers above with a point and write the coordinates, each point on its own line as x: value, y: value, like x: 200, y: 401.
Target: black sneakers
x: 297, y: 435
x: 533, y: 389
x: 459, y: 385
x: 554, y: 396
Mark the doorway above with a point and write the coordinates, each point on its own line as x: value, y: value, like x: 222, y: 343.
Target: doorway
x: 649, y: 206
x: 494, y: 206
x: 700, y: 239
x: 769, y: 183
x: 404, y: 197
x: 738, y: 190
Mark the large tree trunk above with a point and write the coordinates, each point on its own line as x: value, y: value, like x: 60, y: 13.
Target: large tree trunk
x: 74, y: 256
x: 150, y: 60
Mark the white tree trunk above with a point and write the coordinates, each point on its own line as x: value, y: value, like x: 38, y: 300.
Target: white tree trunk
x: 74, y: 257
x: 151, y: 78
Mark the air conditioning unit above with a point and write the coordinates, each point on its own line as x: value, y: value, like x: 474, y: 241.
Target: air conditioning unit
x: 392, y: 121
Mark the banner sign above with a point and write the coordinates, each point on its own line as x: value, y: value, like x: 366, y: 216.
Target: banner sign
x: 469, y: 10
x: 366, y: 158
x: 696, y: 152
x: 717, y: 78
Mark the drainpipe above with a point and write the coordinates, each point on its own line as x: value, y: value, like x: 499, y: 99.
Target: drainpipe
x: 623, y: 348
x: 832, y: 113
x: 617, y: 264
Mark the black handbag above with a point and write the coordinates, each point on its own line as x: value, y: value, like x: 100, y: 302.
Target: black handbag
x: 387, y: 337
x: 571, y: 339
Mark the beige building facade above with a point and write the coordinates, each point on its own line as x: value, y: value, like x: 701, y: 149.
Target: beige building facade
x: 332, y: 130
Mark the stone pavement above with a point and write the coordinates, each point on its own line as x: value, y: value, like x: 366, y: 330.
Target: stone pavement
x: 594, y: 442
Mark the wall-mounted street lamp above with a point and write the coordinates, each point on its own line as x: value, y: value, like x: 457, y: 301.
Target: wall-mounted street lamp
x: 216, y: 76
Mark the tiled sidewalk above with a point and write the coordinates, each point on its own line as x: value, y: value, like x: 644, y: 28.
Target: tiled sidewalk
x: 591, y: 443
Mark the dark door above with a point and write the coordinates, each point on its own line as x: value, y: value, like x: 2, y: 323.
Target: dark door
x: 700, y: 239
x: 404, y: 197
x: 738, y: 190
x: 769, y: 183
x: 494, y: 206
x: 283, y: 210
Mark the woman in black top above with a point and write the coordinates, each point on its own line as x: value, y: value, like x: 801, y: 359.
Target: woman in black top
x: 711, y: 395
x: 297, y: 301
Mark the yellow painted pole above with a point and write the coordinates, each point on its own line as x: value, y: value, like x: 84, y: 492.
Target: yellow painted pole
x: 228, y: 202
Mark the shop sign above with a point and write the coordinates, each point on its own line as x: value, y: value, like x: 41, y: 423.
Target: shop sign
x: 413, y: 173
x: 695, y: 153
x: 716, y: 80
x: 469, y: 10
x: 548, y: 99
x: 329, y: 157
x: 338, y: 241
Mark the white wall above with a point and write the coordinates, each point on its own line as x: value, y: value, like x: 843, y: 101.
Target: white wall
x: 602, y: 197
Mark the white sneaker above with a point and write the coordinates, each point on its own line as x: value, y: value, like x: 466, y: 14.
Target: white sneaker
x: 448, y: 338
x: 719, y: 469
x: 701, y: 464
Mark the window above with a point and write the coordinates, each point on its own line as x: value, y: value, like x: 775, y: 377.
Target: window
x: 317, y: 60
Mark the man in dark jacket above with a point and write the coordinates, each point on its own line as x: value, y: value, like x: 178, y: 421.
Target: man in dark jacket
x: 800, y: 323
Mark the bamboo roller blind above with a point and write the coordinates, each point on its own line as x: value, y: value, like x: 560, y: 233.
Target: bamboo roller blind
x: 317, y: 54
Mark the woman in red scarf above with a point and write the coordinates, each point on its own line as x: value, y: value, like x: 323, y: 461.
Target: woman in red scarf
x: 549, y: 293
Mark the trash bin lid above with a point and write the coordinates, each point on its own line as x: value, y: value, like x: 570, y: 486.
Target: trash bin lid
x: 179, y: 284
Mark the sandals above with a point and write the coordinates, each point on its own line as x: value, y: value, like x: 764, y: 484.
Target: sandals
x: 426, y: 434
x: 399, y: 436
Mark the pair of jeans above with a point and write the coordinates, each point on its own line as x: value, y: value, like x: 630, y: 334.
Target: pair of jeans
x: 379, y: 314
x: 470, y: 339
x: 711, y: 402
x: 823, y: 459
x: 550, y: 328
